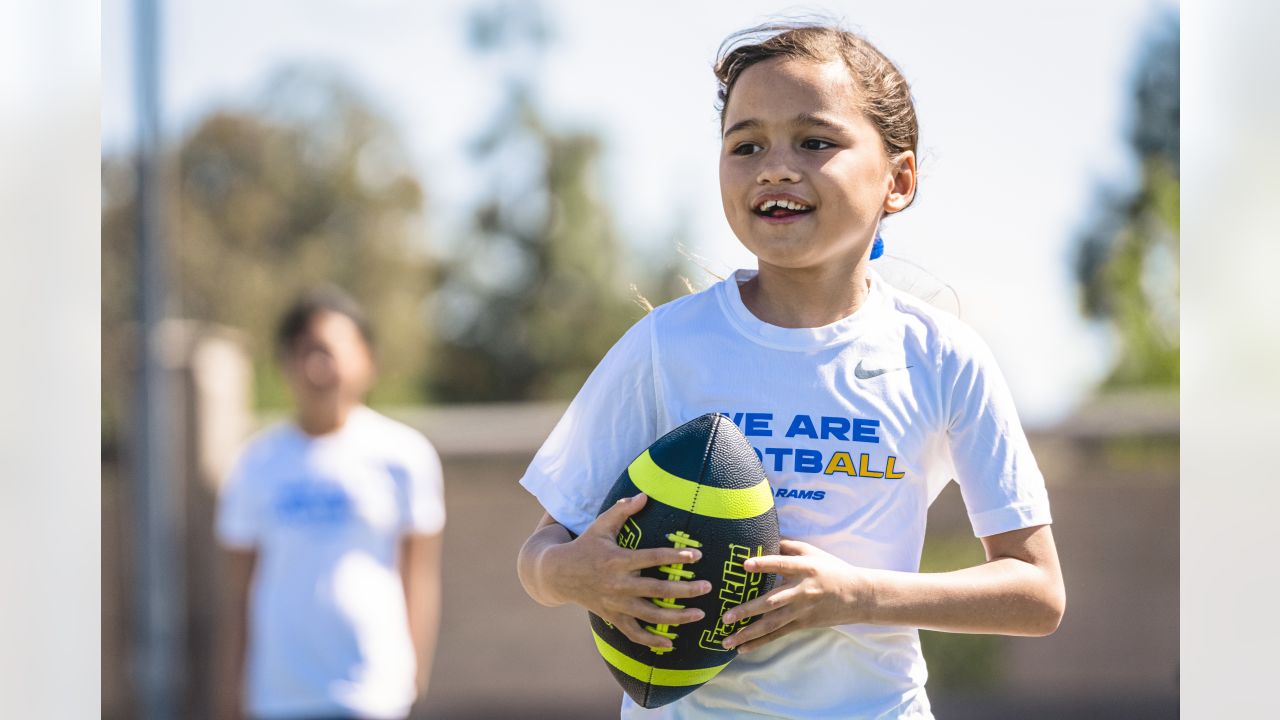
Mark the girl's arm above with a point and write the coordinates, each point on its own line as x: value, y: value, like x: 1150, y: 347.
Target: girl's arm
x: 594, y: 572
x: 240, y: 566
x: 420, y: 573
x: 1018, y: 591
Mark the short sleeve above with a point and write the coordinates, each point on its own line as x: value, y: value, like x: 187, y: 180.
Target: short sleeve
x: 238, y: 523
x: 612, y: 419
x: 426, y: 491
x: 999, y: 479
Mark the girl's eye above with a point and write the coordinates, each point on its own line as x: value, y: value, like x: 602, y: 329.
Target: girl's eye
x: 816, y: 144
x: 746, y: 149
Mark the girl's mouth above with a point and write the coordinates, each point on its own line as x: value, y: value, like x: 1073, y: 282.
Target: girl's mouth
x: 781, y: 210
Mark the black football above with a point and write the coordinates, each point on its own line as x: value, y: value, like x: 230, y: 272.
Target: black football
x: 707, y: 490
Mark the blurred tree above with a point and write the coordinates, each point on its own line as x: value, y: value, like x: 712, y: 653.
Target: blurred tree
x: 1127, y: 259
x: 308, y: 186
x: 533, y: 297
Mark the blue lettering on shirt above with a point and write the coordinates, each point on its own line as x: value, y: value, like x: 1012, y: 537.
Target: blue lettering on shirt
x: 757, y: 425
x: 808, y: 461
x: 778, y: 454
x: 865, y: 430
x: 800, y: 494
x: 835, y: 427
x: 802, y: 425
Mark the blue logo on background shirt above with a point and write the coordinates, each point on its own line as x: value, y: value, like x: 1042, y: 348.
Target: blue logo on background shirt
x: 400, y: 479
x: 313, y: 503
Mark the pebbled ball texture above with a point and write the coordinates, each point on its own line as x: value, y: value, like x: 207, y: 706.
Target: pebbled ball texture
x: 706, y: 489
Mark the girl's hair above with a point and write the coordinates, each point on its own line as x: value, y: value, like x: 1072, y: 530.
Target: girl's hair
x: 325, y: 299
x: 885, y: 96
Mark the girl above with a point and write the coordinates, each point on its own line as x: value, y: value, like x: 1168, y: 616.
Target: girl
x: 862, y: 402
x: 332, y: 524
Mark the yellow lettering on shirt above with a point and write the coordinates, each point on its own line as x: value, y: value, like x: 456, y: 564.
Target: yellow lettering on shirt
x: 841, y: 462
x: 888, y: 469
x: 864, y: 471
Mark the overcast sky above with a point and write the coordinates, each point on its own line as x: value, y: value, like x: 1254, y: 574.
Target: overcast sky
x: 1022, y: 110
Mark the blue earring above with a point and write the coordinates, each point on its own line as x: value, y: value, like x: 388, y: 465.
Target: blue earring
x: 877, y: 246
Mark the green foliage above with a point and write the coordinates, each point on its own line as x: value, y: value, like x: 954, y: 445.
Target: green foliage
x: 957, y: 661
x: 1127, y: 262
x: 307, y: 186
x: 533, y: 298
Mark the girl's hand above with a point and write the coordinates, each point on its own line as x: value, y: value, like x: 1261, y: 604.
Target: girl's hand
x: 594, y: 572
x: 817, y: 589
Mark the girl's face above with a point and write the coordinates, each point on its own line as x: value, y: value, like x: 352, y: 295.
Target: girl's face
x: 329, y: 361
x: 804, y: 176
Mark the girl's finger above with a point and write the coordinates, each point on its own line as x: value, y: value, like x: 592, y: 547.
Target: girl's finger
x: 611, y: 520
x: 780, y: 564
x: 650, y: 588
x: 636, y: 634
x: 647, y: 611
x: 773, y: 600
x: 786, y: 629
x: 767, y: 624
x: 795, y: 547
x: 653, y: 557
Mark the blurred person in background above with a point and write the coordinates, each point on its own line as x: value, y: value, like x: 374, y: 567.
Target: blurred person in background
x: 332, y: 524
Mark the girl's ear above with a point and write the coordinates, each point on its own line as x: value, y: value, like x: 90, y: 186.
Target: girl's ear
x: 902, y: 183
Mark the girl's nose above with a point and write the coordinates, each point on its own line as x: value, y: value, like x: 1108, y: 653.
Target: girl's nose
x: 777, y: 168
x: 319, y: 369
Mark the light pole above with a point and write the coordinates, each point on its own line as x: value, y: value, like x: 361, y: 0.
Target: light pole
x: 159, y: 597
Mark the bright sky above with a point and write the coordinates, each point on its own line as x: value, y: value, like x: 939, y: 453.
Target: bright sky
x: 1022, y: 108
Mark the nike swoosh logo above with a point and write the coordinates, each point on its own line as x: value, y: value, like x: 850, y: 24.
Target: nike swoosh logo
x: 863, y: 374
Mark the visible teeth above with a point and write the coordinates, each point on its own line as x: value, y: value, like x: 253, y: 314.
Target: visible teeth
x: 787, y: 204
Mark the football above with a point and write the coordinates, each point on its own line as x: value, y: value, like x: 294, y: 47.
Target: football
x: 707, y: 490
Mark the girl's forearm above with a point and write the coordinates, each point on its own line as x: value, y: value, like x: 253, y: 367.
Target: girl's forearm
x: 420, y: 574
x: 1005, y: 596
x: 530, y: 565
x: 240, y: 566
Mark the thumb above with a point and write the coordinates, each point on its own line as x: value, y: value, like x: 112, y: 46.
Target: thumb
x: 611, y: 520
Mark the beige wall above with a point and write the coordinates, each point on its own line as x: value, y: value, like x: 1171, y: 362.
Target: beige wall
x: 1113, y: 479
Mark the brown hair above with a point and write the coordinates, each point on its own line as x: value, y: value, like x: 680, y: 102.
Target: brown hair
x: 324, y: 299
x: 886, y: 96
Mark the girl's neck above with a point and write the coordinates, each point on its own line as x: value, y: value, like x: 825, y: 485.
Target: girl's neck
x: 318, y: 419
x: 806, y: 298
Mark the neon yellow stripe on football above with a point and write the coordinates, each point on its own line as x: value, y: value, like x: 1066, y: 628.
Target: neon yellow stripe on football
x: 653, y: 675
x: 688, y: 495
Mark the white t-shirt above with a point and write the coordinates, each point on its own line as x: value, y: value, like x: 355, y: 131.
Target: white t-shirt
x: 859, y: 425
x: 328, y: 627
